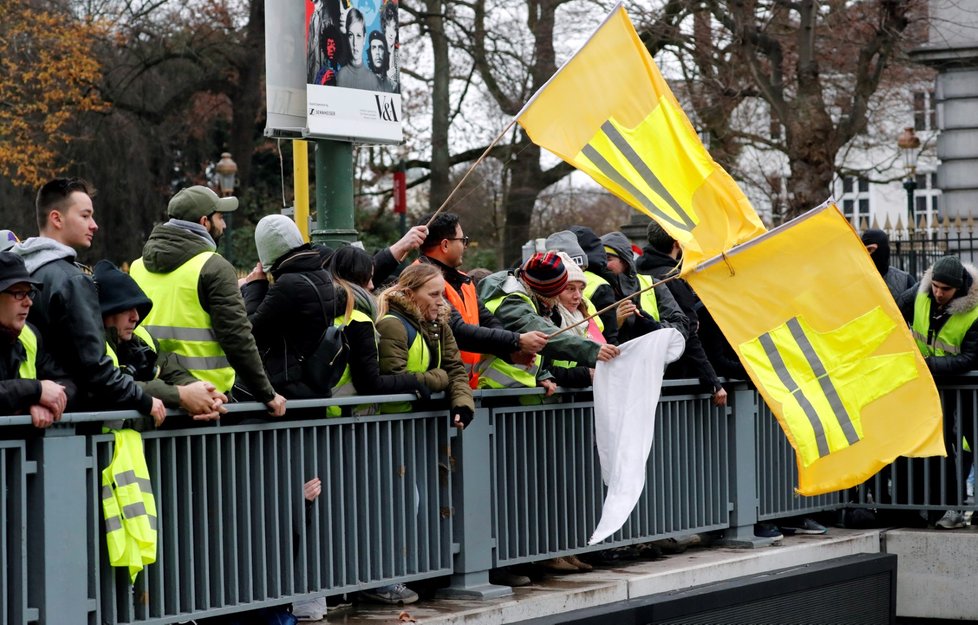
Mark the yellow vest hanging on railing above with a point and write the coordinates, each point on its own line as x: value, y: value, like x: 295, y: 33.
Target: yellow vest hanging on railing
x: 128, y: 505
x: 180, y: 323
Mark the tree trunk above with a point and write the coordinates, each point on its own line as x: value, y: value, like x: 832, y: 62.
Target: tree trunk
x: 440, y: 106
x: 525, y: 185
x: 247, y: 99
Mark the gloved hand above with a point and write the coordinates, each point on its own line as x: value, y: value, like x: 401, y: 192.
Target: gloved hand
x: 462, y: 416
x: 421, y: 390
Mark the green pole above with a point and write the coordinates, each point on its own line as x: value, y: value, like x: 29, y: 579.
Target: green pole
x: 334, y: 194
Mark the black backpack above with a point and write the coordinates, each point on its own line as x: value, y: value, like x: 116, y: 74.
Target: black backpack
x: 323, y: 368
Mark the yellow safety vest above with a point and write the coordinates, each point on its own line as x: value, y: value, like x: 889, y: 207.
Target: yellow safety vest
x: 128, y: 505
x: 495, y: 372
x: 419, y: 357
x: 948, y: 340
x: 592, y: 284
x: 141, y: 332
x: 28, y: 368
x: 345, y: 388
x: 180, y: 323
x: 647, y: 301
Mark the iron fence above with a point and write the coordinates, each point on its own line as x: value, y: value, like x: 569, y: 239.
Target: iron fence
x: 916, y: 247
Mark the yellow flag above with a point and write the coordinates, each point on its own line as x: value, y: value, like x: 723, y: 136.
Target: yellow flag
x: 815, y: 326
x: 609, y: 113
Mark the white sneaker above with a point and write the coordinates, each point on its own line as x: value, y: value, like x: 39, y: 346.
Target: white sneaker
x: 310, y: 609
x: 952, y: 520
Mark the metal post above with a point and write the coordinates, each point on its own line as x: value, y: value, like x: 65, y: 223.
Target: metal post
x: 60, y: 571
x: 334, y: 193
x: 743, y: 484
x: 910, y: 184
x: 473, y: 509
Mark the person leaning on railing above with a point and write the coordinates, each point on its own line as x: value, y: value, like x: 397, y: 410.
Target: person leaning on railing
x: 124, y: 305
x: 415, y: 337
x: 289, y: 314
x: 352, y: 270
x: 29, y: 379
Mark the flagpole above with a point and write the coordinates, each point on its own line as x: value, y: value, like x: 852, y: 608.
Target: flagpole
x: 471, y: 169
x: 613, y: 305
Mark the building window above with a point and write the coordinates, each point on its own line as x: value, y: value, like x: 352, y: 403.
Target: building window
x: 926, y: 200
x: 855, y: 200
x: 924, y: 111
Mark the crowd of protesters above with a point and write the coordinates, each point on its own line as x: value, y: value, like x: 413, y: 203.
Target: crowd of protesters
x: 182, y: 331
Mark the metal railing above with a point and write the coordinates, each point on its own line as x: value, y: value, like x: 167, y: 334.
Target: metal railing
x: 405, y: 497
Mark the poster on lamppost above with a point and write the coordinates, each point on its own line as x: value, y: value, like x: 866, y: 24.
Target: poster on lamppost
x: 353, y: 87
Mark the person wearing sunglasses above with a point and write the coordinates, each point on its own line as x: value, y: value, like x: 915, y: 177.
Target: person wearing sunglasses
x: 30, y: 382
x: 476, y: 330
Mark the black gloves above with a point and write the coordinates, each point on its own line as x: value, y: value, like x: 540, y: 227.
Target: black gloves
x: 464, y: 415
x: 421, y: 390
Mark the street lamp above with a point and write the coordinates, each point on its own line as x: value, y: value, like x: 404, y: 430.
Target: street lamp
x: 909, y: 144
x: 227, y: 172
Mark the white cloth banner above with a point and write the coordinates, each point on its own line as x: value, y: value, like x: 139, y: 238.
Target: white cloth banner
x: 626, y: 393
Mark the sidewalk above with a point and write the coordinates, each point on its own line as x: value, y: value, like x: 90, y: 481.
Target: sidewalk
x: 555, y: 595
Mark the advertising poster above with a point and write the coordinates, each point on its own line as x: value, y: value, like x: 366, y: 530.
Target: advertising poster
x: 352, y: 60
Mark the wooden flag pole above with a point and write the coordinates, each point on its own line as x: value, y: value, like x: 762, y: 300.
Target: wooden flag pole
x: 471, y: 169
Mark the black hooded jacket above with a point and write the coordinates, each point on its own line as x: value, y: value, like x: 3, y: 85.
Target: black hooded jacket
x: 289, y: 316
x: 694, y: 361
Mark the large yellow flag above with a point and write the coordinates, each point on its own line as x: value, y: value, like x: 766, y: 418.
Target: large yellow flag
x: 609, y: 112
x: 820, y: 335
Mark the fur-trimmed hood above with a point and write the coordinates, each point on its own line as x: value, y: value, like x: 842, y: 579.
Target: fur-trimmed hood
x: 962, y: 302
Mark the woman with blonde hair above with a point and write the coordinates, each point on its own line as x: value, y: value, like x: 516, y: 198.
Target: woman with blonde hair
x: 415, y: 338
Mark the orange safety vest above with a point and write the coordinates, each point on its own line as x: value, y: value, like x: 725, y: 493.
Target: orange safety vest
x: 467, y: 304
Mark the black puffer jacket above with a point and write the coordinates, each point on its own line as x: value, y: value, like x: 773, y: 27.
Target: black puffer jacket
x: 694, y: 361
x: 67, y: 315
x: 17, y: 395
x: 288, y: 318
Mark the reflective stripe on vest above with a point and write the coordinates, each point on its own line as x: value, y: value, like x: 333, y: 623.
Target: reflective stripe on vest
x: 28, y: 368
x: 948, y: 340
x: 647, y: 301
x: 345, y: 388
x: 418, y: 361
x: 128, y: 505
x: 497, y: 373
x: 180, y: 323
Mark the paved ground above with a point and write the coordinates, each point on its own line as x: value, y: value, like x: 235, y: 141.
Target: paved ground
x: 554, y: 595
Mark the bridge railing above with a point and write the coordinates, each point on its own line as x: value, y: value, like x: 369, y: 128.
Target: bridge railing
x: 405, y: 497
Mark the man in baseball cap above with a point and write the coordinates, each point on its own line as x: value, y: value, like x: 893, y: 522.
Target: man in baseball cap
x: 198, y: 313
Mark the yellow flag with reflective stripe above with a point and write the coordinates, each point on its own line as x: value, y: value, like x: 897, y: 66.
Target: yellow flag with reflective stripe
x: 636, y: 141
x: 818, y: 332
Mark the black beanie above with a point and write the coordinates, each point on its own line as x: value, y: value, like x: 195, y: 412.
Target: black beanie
x: 117, y: 291
x: 948, y: 270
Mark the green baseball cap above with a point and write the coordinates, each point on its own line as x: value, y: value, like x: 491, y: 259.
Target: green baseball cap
x: 192, y: 203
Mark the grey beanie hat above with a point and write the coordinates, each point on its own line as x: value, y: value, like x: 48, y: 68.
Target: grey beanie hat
x: 566, y: 241
x: 276, y: 236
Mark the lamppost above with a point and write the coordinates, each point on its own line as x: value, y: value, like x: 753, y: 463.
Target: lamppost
x: 909, y: 144
x: 227, y: 171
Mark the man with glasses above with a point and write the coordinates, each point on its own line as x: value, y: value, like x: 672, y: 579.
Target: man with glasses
x: 66, y: 312
x: 22, y: 360
x: 198, y: 313
x: 476, y: 330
